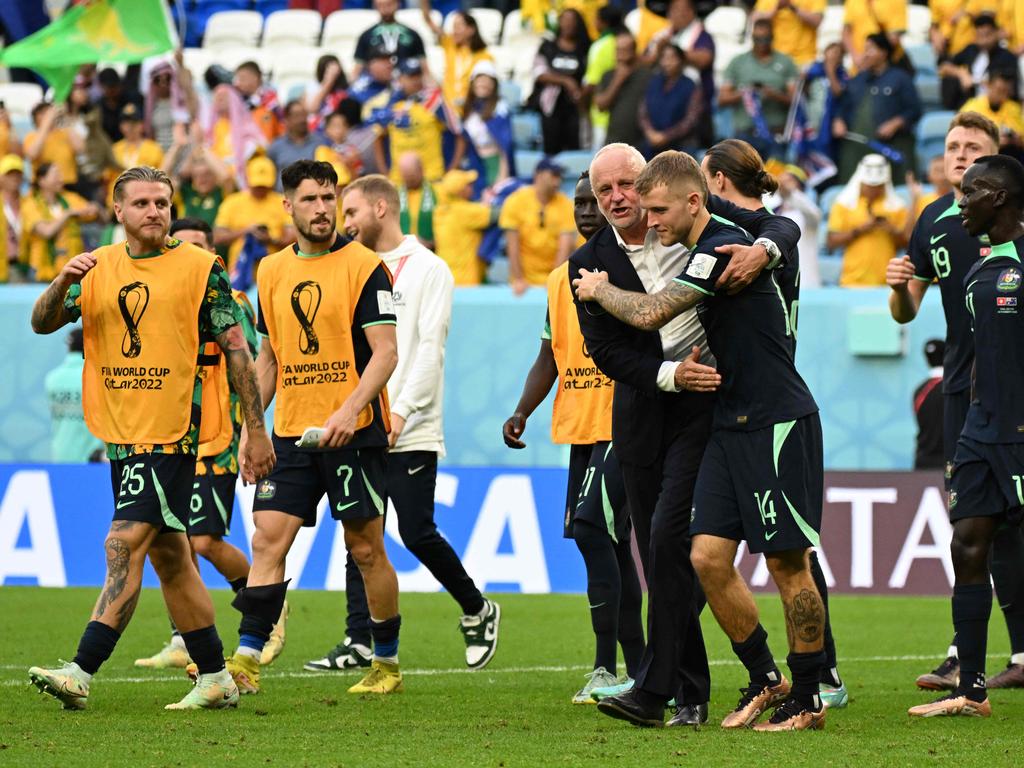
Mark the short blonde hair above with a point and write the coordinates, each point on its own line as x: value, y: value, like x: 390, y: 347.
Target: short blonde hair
x: 140, y: 173
x: 376, y: 187
x: 676, y: 170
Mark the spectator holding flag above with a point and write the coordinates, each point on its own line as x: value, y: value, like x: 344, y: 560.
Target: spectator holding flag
x: 487, y: 129
x: 877, y: 112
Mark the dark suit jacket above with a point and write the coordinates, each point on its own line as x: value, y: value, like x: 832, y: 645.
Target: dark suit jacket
x: 641, y: 413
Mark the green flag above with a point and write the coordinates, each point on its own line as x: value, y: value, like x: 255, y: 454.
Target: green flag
x: 100, y: 30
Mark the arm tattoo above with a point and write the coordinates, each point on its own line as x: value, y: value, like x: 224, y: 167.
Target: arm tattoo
x: 118, y: 558
x: 49, y: 313
x: 242, y: 373
x: 647, y: 311
x: 805, y: 618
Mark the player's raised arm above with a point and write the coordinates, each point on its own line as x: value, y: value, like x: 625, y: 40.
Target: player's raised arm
x: 49, y: 313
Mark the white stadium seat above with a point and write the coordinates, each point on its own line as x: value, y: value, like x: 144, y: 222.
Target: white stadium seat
x: 295, y: 63
x: 292, y: 27
x: 919, y: 22
x: 632, y: 22
x: 413, y: 18
x: 726, y: 22
x: 19, y: 98
x: 233, y: 28
x: 513, y: 33
x: 347, y: 25
x: 831, y: 28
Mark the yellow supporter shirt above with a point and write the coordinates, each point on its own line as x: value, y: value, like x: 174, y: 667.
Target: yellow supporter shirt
x: 539, y: 227
x: 866, y: 17
x: 458, y: 229
x: 791, y: 36
x: 923, y: 202
x: 241, y: 210
x: 866, y: 258
x: 56, y: 150
x: 459, y: 61
x: 48, y: 256
x: 1011, y: 21
x: 413, y: 125
x: 961, y: 33
x: 1007, y: 117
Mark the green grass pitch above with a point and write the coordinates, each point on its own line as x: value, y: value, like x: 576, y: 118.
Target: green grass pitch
x: 516, y: 712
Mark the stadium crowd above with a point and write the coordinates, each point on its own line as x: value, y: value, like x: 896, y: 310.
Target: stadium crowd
x: 485, y: 123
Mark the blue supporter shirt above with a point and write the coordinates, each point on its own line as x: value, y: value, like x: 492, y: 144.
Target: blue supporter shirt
x: 892, y: 93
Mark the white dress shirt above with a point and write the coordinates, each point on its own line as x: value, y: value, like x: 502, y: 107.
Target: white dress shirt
x: 658, y: 265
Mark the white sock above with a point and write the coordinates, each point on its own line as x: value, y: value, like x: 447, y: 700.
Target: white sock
x: 386, y: 659
x: 482, y: 613
x: 247, y: 651
x: 1017, y: 658
x: 177, y: 641
x: 952, y: 652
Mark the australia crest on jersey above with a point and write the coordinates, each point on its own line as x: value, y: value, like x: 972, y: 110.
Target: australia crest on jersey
x: 1009, y: 280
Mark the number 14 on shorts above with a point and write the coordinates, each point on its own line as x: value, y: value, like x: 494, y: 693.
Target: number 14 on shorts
x: 766, y: 507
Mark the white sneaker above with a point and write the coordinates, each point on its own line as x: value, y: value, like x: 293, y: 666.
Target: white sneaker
x: 481, y: 635
x: 68, y: 684
x: 213, y: 691
x: 599, y: 678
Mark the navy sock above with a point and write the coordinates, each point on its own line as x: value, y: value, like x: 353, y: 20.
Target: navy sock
x: 95, y: 647
x: 205, y: 648
x: 757, y: 657
x: 1008, y: 578
x: 972, y: 606
x: 260, y: 607
x: 238, y: 584
x: 385, y: 636
x: 806, y: 670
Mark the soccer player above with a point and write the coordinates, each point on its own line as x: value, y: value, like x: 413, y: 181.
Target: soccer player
x: 735, y: 172
x: 423, y: 305
x: 988, y: 468
x: 659, y: 430
x: 147, y: 304
x: 213, y: 492
x: 942, y: 250
x: 327, y: 312
x: 761, y: 477
x: 596, y: 516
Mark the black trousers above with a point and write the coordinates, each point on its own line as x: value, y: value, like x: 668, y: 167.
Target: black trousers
x: 675, y: 663
x: 412, y: 476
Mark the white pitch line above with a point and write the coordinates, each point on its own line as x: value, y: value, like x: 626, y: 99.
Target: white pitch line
x: 271, y: 674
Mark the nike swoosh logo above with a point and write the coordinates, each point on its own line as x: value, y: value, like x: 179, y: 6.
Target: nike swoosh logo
x: 769, y: 537
x: 342, y: 507
x: 414, y: 471
x: 196, y: 520
x: 598, y: 605
x: 489, y: 633
x: 124, y: 503
x: 936, y: 239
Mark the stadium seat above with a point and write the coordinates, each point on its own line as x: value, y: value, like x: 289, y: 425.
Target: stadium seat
x: 504, y: 59
x: 831, y: 28
x: 233, y: 28
x: 347, y: 24
x: 526, y: 162
x: 292, y: 27
x: 830, y: 266
x: 526, y: 132
x: 436, y: 62
x: 919, y: 22
x: 722, y: 121
x: 197, y: 61
x: 922, y: 57
x: 511, y: 93
x: 413, y: 18
x: 575, y: 162
x: 632, y: 22
x: 929, y: 90
x: 20, y: 98
x: 229, y: 58
x: 726, y: 22
x: 294, y: 63
x: 514, y: 33
x: 489, y: 20
x: 931, y: 136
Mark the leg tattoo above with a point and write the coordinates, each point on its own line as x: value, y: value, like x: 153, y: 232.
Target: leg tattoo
x: 805, y: 618
x: 118, y: 557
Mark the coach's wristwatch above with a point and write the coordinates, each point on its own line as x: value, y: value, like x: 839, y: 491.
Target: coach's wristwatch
x: 774, y: 254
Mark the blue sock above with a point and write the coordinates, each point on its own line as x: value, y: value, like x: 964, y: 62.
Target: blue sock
x: 385, y: 638
x: 251, y: 641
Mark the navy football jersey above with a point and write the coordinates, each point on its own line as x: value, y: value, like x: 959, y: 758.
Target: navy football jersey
x: 941, y: 249
x: 995, y: 301
x: 751, y: 337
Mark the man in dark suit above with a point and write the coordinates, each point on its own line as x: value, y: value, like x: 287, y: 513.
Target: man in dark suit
x: 659, y: 430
